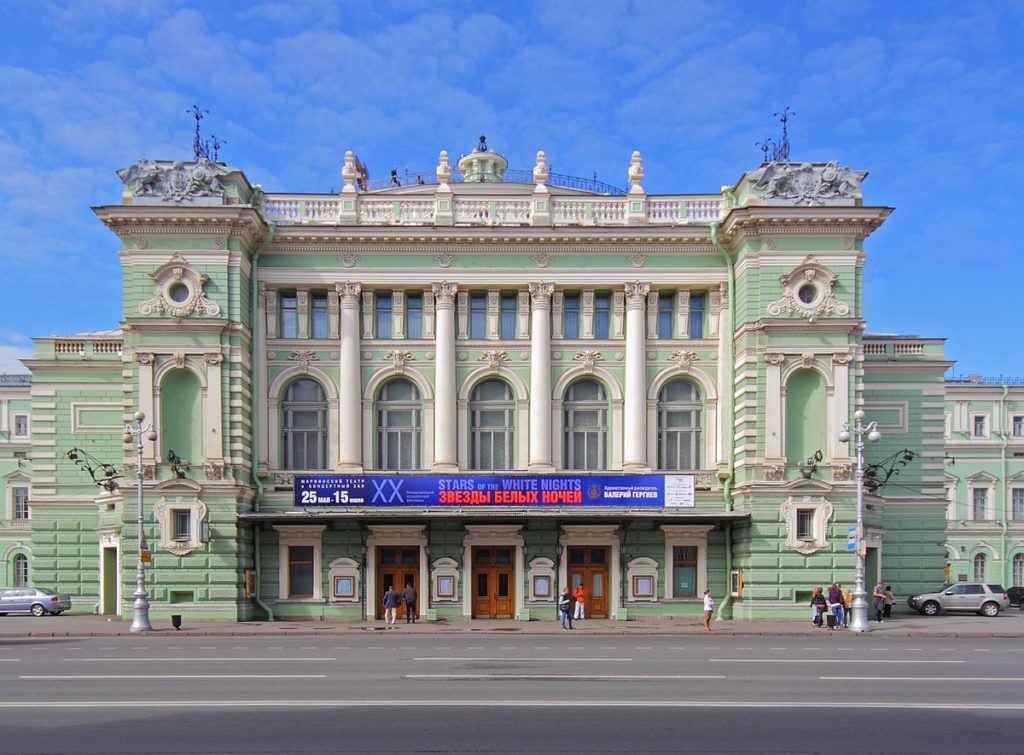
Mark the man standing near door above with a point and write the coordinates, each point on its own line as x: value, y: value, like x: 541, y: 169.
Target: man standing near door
x: 581, y: 597
x: 409, y: 596
x: 391, y: 602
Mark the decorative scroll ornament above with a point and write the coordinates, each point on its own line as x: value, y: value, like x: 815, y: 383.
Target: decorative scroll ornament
x: 178, y: 291
x: 284, y: 479
x: 683, y: 359
x: 541, y: 259
x: 774, y: 358
x: 214, y: 471
x: 807, y: 292
x: 303, y: 358
x: 842, y: 473
x: 178, y: 182
x: 588, y: 359
x: 179, y: 360
x: 842, y: 358
x: 399, y: 359
x: 348, y: 259
x: 638, y: 259
x: 213, y: 358
x: 775, y: 472
x: 445, y: 259
x: 494, y: 359
x: 807, y: 360
x: 809, y: 184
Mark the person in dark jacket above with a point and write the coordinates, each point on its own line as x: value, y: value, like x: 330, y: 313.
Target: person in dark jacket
x: 819, y: 606
x: 392, y: 600
x: 566, y: 603
x: 409, y: 597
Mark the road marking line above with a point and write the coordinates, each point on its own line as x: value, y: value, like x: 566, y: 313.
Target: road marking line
x: 520, y: 660
x: 336, y: 647
x: 201, y: 658
x: 9, y: 660
x: 922, y: 678
x: 818, y: 660
x: 643, y: 647
x: 434, y: 703
x: 565, y: 677
x: 146, y: 677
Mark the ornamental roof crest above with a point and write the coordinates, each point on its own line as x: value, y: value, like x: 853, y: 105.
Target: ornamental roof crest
x: 175, y: 182
x: 806, y: 183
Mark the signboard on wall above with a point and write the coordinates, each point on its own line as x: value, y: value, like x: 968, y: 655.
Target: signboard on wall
x: 674, y: 491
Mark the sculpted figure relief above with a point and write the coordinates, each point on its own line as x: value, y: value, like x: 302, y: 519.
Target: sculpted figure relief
x: 177, y: 182
x: 806, y: 183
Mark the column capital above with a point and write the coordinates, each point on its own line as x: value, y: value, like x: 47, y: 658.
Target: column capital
x: 349, y: 294
x: 144, y: 357
x: 540, y: 295
x: 636, y: 294
x: 444, y: 294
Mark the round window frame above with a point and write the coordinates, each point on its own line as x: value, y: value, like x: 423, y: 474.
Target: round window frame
x: 804, y: 286
x: 175, y: 283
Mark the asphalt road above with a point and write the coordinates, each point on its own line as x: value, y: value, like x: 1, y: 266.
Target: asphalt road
x: 516, y: 694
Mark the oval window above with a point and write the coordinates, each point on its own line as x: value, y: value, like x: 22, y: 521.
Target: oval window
x: 807, y: 293
x: 178, y: 292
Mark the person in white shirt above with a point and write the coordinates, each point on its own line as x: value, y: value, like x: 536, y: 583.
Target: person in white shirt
x: 709, y: 607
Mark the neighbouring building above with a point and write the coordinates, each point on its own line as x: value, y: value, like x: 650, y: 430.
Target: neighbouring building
x: 491, y: 384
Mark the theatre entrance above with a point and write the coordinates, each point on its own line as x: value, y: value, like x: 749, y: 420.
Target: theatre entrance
x: 588, y: 566
x: 493, y: 580
x: 397, y: 566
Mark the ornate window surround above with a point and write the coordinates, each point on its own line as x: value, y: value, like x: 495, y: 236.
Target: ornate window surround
x: 821, y: 513
x: 810, y: 277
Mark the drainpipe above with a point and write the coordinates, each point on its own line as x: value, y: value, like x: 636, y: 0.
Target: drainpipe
x: 254, y: 415
x: 729, y: 365
x: 1004, y: 439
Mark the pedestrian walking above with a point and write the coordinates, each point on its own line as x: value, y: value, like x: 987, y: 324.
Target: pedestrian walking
x: 887, y: 607
x: 878, y: 600
x: 565, y: 604
x: 409, y: 598
x: 391, y: 602
x: 580, y: 595
x: 709, y: 608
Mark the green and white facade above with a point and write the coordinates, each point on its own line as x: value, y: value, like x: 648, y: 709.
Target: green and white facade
x: 468, y: 325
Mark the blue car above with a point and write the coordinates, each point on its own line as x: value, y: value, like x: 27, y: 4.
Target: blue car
x: 33, y: 600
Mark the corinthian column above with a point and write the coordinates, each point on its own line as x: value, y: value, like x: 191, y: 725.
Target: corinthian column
x: 350, y: 383
x: 635, y: 407
x: 540, y: 378
x: 446, y: 457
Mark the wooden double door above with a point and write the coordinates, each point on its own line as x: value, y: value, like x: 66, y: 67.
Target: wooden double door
x: 397, y: 566
x: 493, y: 582
x: 588, y: 566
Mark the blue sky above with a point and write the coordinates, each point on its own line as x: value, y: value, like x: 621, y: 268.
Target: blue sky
x: 926, y: 96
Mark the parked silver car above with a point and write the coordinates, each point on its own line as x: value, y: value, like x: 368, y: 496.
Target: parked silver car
x: 985, y: 598
x: 34, y: 600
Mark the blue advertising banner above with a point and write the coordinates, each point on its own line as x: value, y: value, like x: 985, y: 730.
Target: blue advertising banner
x: 494, y: 490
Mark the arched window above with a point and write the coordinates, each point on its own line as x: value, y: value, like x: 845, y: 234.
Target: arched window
x: 399, y: 426
x: 1018, y: 570
x: 806, y: 415
x: 21, y: 570
x: 679, y: 426
x: 181, y: 416
x: 304, y: 425
x: 979, y: 567
x: 585, y: 416
x: 492, y: 426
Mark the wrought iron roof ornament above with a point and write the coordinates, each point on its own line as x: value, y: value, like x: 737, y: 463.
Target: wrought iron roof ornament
x: 877, y: 475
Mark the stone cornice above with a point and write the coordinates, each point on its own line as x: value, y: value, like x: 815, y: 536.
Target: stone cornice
x: 175, y: 325
x: 918, y: 365
x: 233, y: 221
x: 845, y: 325
x: 744, y: 223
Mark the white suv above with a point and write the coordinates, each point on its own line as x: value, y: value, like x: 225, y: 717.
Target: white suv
x: 978, y: 597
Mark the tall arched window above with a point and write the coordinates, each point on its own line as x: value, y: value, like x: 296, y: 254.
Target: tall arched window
x: 21, y: 570
x: 399, y: 426
x: 492, y: 426
x: 1018, y: 570
x: 979, y: 567
x: 304, y: 425
x: 679, y: 426
x: 585, y: 415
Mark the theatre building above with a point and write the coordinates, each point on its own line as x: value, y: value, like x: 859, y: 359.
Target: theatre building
x: 488, y: 384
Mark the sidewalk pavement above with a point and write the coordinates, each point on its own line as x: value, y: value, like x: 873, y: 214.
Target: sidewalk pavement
x: 1008, y: 624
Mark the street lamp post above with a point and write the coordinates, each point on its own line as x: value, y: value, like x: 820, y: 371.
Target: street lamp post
x: 859, y: 620
x: 140, y: 608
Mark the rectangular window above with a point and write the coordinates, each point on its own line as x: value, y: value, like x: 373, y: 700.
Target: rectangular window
x: 696, y: 315
x: 602, y: 314
x: 805, y: 524
x: 541, y: 587
x: 478, y: 315
x: 20, y: 503
x: 414, y: 315
x: 300, y: 571
x: 979, y: 504
x: 571, y: 316
x: 1017, y: 426
x: 21, y: 424
x: 979, y: 426
x: 289, y: 315
x: 182, y: 524
x: 318, y: 315
x: 1018, y: 503
x: 382, y: 307
x: 643, y: 586
x: 684, y: 571
x: 446, y: 587
x: 344, y: 587
x: 509, y: 304
x: 666, y: 313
